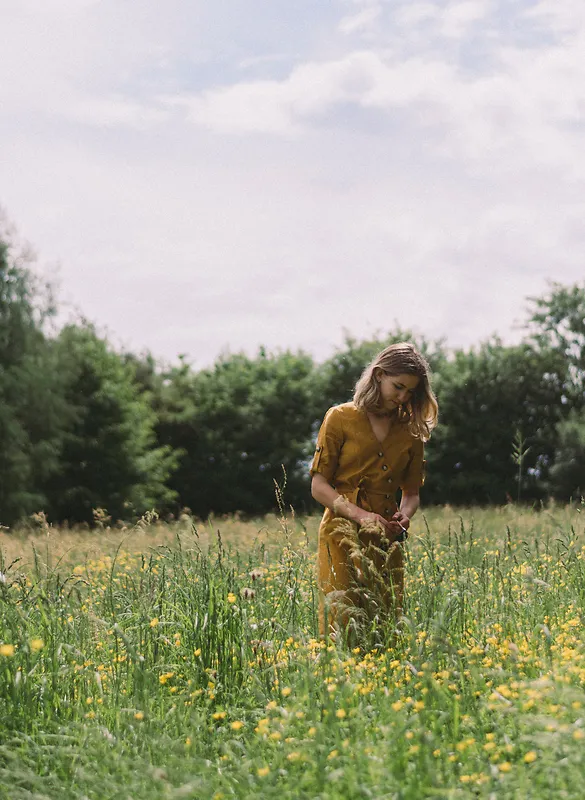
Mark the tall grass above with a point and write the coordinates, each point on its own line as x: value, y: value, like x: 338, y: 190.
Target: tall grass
x: 192, y: 668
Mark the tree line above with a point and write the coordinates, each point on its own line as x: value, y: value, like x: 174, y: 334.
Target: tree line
x: 84, y: 427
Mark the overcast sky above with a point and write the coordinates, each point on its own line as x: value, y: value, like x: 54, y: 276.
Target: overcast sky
x: 224, y: 174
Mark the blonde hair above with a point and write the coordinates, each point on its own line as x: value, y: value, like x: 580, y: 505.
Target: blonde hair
x: 422, y: 410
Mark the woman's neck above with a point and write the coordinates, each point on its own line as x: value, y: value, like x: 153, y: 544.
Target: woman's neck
x: 383, y: 414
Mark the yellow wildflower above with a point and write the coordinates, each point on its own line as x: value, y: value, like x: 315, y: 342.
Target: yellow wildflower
x: 6, y: 650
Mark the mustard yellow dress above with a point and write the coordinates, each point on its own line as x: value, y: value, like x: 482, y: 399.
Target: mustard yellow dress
x: 368, y: 473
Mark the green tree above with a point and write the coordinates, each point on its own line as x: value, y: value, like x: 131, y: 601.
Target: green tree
x: 239, y: 424
x: 558, y: 322
x: 31, y: 407
x: 486, y: 396
x: 109, y: 458
x: 567, y: 474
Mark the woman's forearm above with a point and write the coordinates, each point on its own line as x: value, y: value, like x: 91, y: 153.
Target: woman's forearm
x: 324, y: 493
x: 409, y: 503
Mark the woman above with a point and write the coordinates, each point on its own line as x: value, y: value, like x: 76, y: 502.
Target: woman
x: 366, y: 450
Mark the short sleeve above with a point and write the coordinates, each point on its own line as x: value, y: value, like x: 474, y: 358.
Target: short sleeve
x: 414, y: 474
x: 329, y: 444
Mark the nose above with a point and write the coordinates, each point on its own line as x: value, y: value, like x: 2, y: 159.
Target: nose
x: 403, y: 396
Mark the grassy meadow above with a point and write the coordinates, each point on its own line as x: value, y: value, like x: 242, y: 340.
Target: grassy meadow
x: 183, y: 661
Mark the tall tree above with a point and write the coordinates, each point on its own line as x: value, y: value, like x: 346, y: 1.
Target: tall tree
x: 567, y: 474
x: 489, y: 397
x: 557, y: 322
x: 242, y: 425
x: 109, y: 458
x: 31, y: 408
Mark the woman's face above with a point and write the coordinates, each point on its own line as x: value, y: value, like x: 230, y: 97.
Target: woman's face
x: 396, y: 390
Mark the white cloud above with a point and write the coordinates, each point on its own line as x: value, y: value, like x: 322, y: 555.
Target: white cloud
x: 312, y: 89
x: 458, y: 17
x: 115, y: 112
x: 412, y: 14
x: 267, y: 58
x: 360, y: 22
x: 245, y: 108
x: 559, y: 18
x: 513, y: 110
x: 419, y: 162
x: 282, y: 106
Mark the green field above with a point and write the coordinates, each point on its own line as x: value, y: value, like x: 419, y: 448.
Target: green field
x: 183, y: 661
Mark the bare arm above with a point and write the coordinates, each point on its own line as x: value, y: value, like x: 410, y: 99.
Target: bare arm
x: 408, y: 506
x: 325, y: 494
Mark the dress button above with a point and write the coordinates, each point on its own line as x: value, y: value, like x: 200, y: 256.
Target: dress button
x: 386, y: 511
x: 380, y: 454
x: 390, y: 480
x: 384, y: 467
x: 388, y: 496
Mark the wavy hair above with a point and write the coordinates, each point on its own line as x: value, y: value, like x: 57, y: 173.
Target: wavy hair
x: 422, y: 410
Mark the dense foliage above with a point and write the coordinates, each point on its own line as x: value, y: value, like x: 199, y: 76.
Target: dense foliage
x: 83, y: 427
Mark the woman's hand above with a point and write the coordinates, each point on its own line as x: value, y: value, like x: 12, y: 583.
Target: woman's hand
x: 368, y: 517
x: 400, y: 522
x: 402, y: 519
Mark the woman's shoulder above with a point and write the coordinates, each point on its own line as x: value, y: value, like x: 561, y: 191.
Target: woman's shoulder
x: 345, y: 411
x: 346, y: 417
